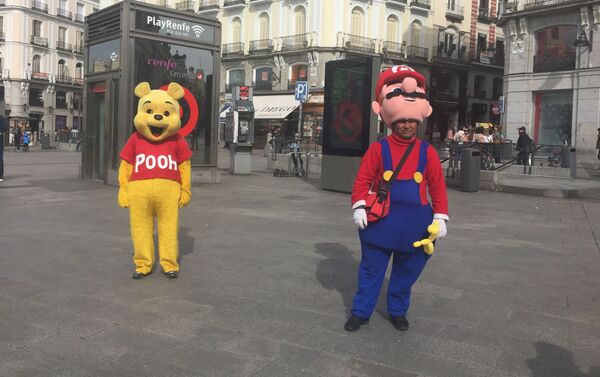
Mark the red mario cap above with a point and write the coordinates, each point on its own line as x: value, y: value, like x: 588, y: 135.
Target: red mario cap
x: 396, y: 74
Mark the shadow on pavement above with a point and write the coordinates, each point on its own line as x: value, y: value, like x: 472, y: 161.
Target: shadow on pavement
x: 186, y: 242
x: 555, y: 361
x: 334, y: 272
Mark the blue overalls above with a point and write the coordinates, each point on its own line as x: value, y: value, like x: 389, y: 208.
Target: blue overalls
x: 406, y: 223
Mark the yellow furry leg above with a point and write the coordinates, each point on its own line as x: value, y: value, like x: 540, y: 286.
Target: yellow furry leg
x: 167, y: 213
x: 141, y: 217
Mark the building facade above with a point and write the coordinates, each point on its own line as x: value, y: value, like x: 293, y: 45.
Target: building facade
x: 272, y: 44
x: 552, y: 82
x: 41, y: 62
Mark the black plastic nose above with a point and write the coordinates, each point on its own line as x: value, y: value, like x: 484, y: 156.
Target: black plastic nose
x: 158, y: 117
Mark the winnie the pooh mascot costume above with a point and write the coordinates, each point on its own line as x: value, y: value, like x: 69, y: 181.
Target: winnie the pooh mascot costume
x: 155, y: 178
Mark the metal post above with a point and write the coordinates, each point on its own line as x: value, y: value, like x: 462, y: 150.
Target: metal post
x: 300, y: 121
x: 573, y: 162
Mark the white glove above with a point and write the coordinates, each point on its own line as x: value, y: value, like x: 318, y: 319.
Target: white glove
x: 360, y: 218
x: 360, y: 215
x: 441, y: 219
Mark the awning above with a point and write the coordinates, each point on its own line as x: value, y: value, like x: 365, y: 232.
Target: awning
x: 274, y: 107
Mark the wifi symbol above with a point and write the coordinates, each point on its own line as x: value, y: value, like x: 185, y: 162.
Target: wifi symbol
x: 198, y: 30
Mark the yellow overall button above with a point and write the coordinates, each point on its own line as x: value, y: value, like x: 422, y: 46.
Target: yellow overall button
x: 418, y: 177
x: 387, y: 175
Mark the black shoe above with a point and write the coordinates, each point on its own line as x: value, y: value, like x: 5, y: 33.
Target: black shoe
x: 354, y: 323
x: 172, y: 274
x: 139, y: 275
x: 400, y: 322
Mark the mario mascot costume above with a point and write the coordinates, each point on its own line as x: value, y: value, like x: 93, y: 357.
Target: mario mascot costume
x: 155, y: 178
x: 409, y: 229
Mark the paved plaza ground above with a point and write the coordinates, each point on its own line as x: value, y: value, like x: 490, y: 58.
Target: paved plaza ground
x: 268, y: 273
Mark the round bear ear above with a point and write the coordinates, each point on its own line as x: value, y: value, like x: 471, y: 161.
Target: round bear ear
x: 142, y: 89
x: 175, y: 90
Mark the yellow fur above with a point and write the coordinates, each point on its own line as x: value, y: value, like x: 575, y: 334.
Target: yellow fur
x: 155, y: 198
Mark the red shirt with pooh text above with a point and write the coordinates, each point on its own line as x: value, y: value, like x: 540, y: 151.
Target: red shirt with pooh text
x: 155, y: 160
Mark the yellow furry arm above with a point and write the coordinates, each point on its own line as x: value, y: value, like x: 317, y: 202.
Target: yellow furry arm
x: 125, y: 170
x: 185, y: 169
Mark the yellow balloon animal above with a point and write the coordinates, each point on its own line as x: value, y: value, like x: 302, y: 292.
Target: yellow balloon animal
x: 427, y: 243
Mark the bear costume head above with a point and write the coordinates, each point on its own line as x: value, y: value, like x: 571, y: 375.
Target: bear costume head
x: 157, y: 115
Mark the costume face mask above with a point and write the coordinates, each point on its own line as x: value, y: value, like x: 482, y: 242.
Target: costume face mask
x: 157, y: 115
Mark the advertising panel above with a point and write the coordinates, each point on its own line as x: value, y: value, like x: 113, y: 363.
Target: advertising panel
x: 347, y: 107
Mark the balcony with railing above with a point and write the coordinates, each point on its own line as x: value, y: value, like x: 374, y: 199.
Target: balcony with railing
x: 425, y: 4
x: 484, y: 15
x: 39, y: 76
x: 451, y: 53
x: 296, y: 42
x: 63, y: 78
x: 79, y: 18
x: 417, y: 52
x: 209, y: 4
x: 455, y: 13
x: 402, y: 2
x: 77, y: 81
x: 2, y: 36
x: 78, y: 49
x: 2, y: 3
x: 536, y: 4
x: 393, y: 49
x: 162, y: 3
x: 39, y: 5
x: 233, y: 49
x: 360, y: 44
x: 186, y: 6
x: 553, y: 62
x: 261, y: 46
x: 231, y: 3
x: 36, y: 40
x: 64, y: 46
x: 63, y: 13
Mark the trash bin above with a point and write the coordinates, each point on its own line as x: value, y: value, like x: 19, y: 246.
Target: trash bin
x: 470, y: 170
x: 45, y: 141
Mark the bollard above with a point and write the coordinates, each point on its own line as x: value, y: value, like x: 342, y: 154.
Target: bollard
x: 573, y: 162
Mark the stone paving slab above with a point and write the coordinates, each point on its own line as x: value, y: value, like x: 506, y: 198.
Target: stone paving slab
x: 268, y: 274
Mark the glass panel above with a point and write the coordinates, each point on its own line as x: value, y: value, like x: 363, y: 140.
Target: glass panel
x: 553, y: 117
x: 61, y: 100
x: 104, y: 56
x: 159, y: 64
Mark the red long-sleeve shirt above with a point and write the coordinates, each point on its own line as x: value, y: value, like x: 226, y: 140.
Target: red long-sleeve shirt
x: 371, y: 171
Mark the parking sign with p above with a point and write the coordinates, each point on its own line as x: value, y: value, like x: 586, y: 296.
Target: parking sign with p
x: 301, y: 91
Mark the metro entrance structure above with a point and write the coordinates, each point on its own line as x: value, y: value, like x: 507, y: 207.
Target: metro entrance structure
x: 131, y: 42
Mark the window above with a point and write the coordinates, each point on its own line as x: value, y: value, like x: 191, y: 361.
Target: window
x: 79, y: 71
x: 299, y: 73
x: 415, y: 33
x: 62, y: 34
x: 35, y: 97
x: 555, y: 50
x: 80, y: 9
x: 497, y: 88
x: 479, y: 87
x: 392, y: 29
x: 237, y: 30
x: 62, y: 70
x: 37, y: 28
x: 481, y: 43
x: 262, y: 80
x: 356, y: 22
x: 1, y: 23
x: 300, y: 20
x: 237, y: 77
x: 37, y: 63
x: 61, y: 100
x: 263, y: 22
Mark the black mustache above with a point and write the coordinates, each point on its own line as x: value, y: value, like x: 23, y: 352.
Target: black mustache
x: 399, y: 92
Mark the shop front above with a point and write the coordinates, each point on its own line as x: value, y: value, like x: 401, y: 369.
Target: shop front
x: 277, y: 115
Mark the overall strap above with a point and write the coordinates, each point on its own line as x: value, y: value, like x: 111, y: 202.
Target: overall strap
x: 422, y: 157
x: 386, y: 155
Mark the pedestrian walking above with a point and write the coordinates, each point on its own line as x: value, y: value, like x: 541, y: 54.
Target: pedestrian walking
x: 26, y: 142
x: 18, y: 136
x: 402, y: 104
x: 524, y: 147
